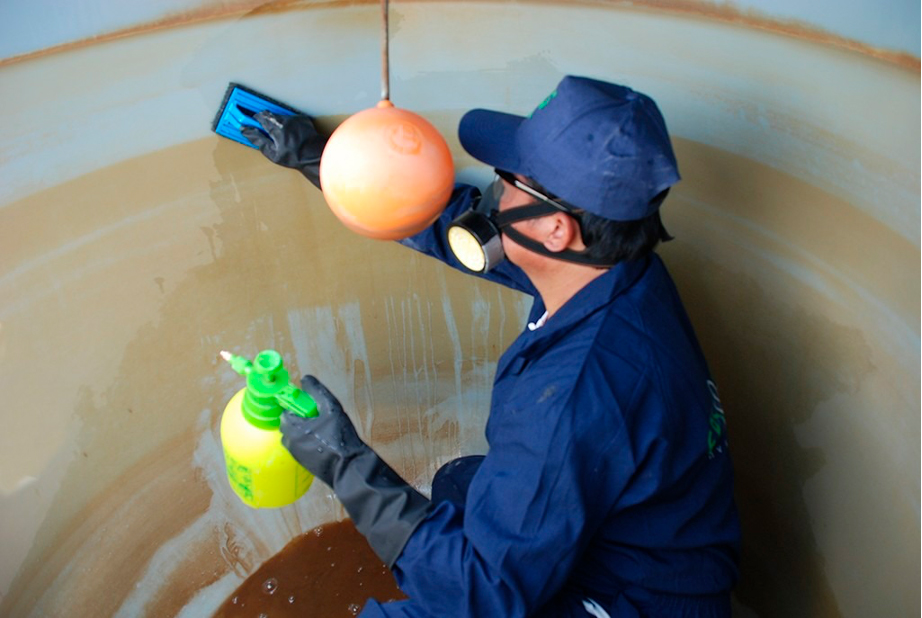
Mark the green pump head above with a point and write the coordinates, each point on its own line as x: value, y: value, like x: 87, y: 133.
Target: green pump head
x: 268, y: 392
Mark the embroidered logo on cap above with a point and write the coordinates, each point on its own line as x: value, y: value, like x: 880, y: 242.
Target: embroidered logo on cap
x: 544, y: 103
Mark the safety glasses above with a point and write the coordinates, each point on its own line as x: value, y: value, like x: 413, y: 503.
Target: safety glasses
x: 530, y: 190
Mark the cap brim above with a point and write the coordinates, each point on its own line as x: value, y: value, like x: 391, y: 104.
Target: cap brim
x: 490, y: 137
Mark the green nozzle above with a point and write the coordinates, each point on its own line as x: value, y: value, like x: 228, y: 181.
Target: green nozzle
x: 268, y: 391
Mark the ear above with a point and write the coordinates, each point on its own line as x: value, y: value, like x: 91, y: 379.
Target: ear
x: 562, y: 233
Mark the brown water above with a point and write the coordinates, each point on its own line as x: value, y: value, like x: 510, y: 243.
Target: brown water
x: 328, y: 572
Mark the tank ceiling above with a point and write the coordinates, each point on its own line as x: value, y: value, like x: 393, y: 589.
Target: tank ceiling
x: 135, y: 244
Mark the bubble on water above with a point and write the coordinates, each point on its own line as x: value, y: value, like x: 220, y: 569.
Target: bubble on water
x: 291, y: 599
x: 359, y: 570
x: 270, y: 585
x: 318, y: 530
x: 234, y: 600
x: 332, y: 564
x: 354, y: 609
x: 263, y: 615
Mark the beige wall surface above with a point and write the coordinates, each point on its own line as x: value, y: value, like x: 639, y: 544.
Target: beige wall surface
x: 135, y: 244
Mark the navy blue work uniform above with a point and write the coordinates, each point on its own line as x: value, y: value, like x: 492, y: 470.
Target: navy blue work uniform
x: 607, y: 488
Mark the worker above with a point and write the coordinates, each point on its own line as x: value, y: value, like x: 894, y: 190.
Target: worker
x: 607, y: 488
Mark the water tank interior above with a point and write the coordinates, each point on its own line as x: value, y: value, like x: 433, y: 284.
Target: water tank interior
x: 135, y: 244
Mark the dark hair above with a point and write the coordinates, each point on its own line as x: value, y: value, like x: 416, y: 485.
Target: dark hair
x: 613, y: 241
x: 618, y: 241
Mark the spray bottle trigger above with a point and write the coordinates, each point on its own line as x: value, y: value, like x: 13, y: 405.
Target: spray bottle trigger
x: 297, y: 402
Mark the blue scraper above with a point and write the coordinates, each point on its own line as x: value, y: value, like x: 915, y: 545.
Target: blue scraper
x: 238, y: 108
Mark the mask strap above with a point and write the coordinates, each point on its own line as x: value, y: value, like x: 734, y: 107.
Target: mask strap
x: 520, y: 213
x: 567, y: 255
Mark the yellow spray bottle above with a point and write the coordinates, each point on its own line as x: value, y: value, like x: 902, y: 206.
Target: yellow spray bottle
x: 260, y: 470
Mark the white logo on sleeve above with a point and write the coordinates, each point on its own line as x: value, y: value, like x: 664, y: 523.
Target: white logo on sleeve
x: 594, y: 609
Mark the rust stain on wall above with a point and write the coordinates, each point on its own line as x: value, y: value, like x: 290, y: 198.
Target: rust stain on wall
x: 723, y: 12
x: 726, y: 12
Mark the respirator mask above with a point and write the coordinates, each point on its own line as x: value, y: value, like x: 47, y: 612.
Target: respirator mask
x: 475, y: 236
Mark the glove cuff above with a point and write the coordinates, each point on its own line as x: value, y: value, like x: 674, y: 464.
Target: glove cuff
x: 384, y: 507
x: 312, y: 173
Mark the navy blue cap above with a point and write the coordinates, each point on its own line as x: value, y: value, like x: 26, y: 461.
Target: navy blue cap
x: 598, y: 146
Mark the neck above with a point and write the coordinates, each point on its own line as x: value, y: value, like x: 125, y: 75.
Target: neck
x: 560, y: 281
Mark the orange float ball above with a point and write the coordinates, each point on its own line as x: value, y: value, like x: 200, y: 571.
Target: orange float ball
x: 386, y: 172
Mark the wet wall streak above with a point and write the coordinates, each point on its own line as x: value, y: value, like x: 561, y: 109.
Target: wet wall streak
x: 270, y: 267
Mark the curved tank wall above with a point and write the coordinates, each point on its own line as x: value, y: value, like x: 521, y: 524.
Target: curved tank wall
x: 135, y: 244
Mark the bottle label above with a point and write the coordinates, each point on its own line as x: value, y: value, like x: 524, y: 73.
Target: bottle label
x: 240, y: 477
